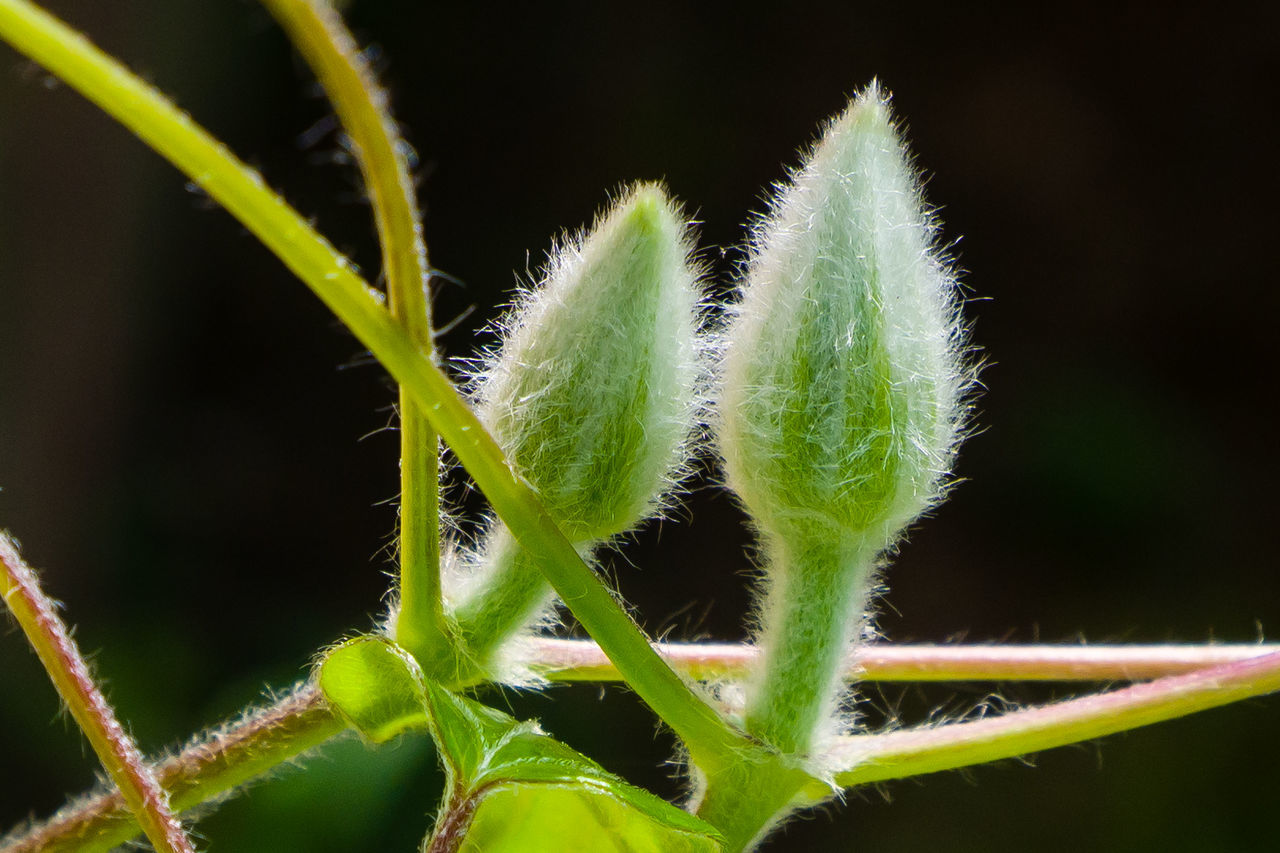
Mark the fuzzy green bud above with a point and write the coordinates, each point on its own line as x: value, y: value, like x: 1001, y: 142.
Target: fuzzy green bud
x: 592, y: 394
x: 841, y: 404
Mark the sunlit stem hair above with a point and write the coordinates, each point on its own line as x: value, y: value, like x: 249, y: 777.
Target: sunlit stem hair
x: 842, y: 399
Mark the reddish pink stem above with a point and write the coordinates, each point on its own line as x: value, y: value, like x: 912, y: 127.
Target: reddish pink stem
x: 37, y: 615
x: 582, y: 660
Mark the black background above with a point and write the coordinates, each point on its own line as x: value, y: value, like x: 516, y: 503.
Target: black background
x: 190, y: 445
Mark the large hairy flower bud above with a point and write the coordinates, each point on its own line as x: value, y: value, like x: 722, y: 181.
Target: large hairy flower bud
x: 842, y: 402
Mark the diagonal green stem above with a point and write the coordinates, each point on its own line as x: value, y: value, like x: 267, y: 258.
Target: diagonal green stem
x: 875, y: 758
x: 39, y: 620
x: 320, y: 36
x: 241, y: 191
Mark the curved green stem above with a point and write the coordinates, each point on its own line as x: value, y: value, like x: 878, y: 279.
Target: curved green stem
x: 320, y: 36
x: 242, y: 192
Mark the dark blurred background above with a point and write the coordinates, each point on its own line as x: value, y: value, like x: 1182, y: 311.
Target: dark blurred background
x: 194, y: 451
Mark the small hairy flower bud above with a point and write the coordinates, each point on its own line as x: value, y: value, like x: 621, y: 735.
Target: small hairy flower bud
x: 592, y: 392
x: 841, y: 404
x: 593, y: 396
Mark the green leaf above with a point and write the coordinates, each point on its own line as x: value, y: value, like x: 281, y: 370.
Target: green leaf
x: 535, y: 793
x: 375, y: 685
x: 550, y: 818
x: 511, y: 787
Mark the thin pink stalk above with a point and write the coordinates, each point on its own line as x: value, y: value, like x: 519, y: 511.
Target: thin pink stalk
x: 582, y: 660
x: 37, y: 614
x: 206, y: 770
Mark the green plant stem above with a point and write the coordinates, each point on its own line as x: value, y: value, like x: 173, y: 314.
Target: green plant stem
x: 710, y: 741
x: 875, y: 758
x: 37, y: 615
x: 320, y: 36
x: 818, y: 589
x: 264, y: 739
x: 513, y: 593
x: 744, y: 800
x: 816, y: 597
x: 713, y: 744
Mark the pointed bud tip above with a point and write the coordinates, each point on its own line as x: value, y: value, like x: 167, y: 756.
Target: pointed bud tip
x: 648, y: 209
x: 868, y: 112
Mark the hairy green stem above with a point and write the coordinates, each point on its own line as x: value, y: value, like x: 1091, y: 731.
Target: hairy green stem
x: 815, y: 602
x: 320, y: 36
x: 37, y: 615
x: 818, y: 587
x: 513, y: 593
x: 875, y: 758
x: 863, y: 759
x: 713, y: 744
x: 242, y: 192
x: 744, y: 800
